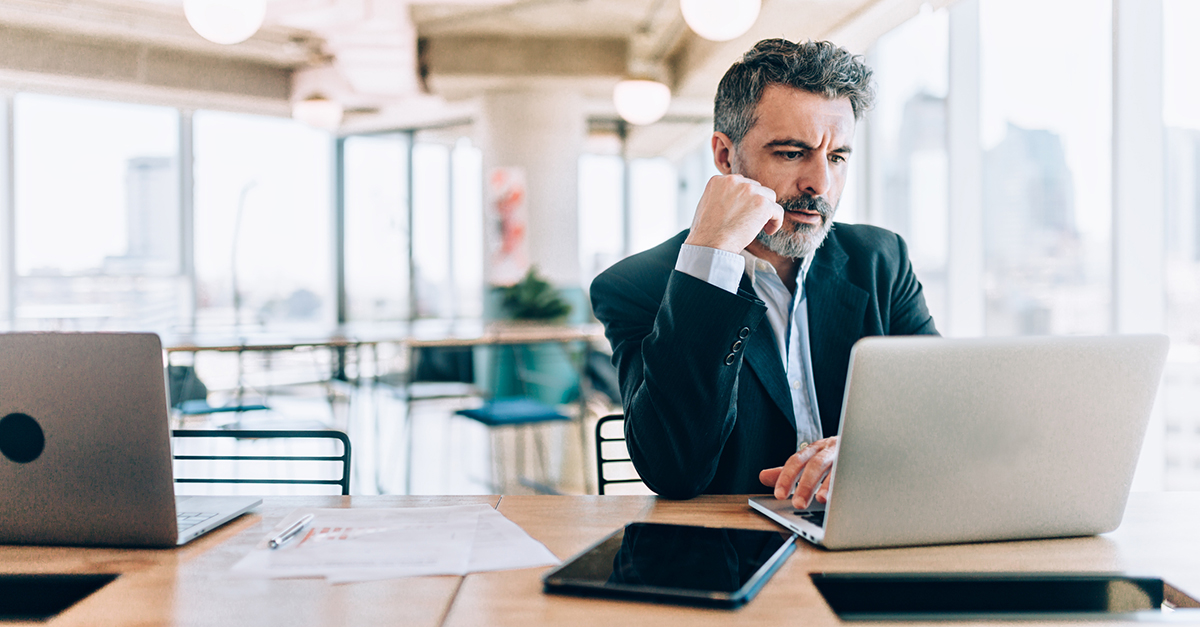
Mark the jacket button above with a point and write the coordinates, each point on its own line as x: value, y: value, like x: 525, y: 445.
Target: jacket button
x: 729, y: 359
x: 737, y: 346
x: 744, y: 333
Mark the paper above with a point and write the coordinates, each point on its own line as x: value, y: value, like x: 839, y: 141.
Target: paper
x: 347, y: 545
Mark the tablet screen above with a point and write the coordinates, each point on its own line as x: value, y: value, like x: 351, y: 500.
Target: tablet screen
x: 723, y: 567
x: 930, y: 596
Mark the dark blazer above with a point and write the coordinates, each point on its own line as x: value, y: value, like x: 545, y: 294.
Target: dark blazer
x: 702, y: 382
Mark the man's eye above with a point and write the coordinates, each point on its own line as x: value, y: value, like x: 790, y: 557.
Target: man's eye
x: 791, y: 154
x: 837, y: 158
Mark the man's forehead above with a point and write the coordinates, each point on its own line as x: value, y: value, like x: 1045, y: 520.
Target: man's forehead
x: 789, y: 113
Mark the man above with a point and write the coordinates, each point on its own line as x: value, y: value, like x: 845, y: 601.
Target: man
x: 732, y: 339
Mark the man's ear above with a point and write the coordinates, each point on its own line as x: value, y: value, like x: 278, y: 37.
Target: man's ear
x: 722, y: 149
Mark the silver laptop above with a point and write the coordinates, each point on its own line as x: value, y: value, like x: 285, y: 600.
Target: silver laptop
x: 969, y: 440
x: 85, y: 450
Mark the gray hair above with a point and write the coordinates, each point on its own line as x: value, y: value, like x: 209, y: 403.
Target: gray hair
x: 816, y: 66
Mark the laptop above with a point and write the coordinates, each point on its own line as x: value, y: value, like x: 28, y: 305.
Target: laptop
x: 971, y: 440
x: 85, y: 449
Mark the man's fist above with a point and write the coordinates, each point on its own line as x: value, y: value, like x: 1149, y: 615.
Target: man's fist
x: 732, y: 211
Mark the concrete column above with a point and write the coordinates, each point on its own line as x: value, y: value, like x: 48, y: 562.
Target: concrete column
x: 543, y: 133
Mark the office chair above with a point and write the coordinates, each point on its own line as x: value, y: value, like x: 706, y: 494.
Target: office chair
x: 311, y: 463
x: 518, y: 411
x: 613, y: 465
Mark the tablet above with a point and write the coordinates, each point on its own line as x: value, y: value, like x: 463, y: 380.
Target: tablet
x: 1002, y: 596
x: 675, y: 564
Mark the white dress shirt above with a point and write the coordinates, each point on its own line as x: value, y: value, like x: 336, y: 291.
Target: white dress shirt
x: 787, y: 314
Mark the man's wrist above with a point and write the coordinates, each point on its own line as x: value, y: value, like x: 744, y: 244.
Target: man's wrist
x: 715, y: 266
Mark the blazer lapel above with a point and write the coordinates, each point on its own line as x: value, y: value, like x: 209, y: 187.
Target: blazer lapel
x: 835, y: 314
x: 762, y: 356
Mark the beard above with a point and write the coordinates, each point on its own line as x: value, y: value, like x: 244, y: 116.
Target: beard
x: 797, y: 240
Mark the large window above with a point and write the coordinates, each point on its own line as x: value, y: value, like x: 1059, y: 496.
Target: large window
x: 97, y: 215
x: 376, y: 206
x: 447, y: 225
x: 263, y: 222
x: 1046, y: 94
x: 907, y: 138
x: 1181, y: 115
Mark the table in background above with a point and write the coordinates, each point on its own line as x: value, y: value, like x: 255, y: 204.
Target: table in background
x: 510, y: 334
x: 192, y: 585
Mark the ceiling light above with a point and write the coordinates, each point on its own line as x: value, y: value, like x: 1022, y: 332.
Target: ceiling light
x: 641, y: 101
x: 720, y: 20
x: 319, y: 112
x: 225, y: 21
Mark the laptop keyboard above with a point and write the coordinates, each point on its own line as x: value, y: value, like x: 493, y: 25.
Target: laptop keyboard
x: 187, y: 520
x: 816, y: 518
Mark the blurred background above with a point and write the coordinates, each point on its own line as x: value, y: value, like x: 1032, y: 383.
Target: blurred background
x: 360, y: 166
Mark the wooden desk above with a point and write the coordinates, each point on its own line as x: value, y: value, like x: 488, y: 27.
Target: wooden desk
x: 191, y: 586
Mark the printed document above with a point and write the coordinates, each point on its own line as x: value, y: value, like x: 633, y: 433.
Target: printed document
x: 347, y: 545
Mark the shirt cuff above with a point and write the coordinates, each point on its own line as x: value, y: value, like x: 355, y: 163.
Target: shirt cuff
x: 712, y: 265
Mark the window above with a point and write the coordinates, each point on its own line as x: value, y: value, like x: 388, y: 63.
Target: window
x: 448, y: 224
x: 1181, y: 116
x: 376, y: 205
x: 1046, y: 99
x: 262, y: 222
x: 97, y: 215
x: 907, y: 136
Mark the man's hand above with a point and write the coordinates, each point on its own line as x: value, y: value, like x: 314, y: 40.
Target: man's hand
x: 732, y: 211
x: 811, y: 466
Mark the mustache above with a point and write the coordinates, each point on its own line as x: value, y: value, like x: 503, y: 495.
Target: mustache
x: 808, y: 203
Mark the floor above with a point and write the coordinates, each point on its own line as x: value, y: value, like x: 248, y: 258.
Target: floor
x: 449, y: 454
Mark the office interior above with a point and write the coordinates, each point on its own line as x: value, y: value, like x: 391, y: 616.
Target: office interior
x: 1041, y: 159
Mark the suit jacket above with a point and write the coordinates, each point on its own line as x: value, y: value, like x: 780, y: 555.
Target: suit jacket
x: 703, y: 384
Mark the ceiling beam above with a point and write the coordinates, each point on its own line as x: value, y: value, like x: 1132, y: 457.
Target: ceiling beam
x: 94, y: 66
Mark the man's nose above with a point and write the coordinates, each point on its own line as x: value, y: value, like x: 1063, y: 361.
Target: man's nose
x: 815, y: 178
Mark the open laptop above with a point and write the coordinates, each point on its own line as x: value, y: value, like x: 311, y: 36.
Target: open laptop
x: 968, y: 440
x: 85, y: 450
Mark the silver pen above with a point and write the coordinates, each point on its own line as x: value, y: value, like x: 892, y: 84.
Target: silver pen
x: 292, y: 531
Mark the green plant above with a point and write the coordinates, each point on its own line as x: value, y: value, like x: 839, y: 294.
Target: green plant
x: 533, y: 298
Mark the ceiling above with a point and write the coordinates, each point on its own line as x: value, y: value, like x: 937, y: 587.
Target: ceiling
x: 403, y: 63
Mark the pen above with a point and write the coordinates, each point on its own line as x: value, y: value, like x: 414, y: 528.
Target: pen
x: 290, y: 532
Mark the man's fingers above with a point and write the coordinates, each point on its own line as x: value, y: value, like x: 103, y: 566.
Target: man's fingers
x: 815, y: 472
x: 775, y: 222
x: 791, y: 470
x: 769, y: 476
x: 761, y: 190
x: 823, y: 493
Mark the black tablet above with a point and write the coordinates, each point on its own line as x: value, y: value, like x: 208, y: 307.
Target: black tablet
x: 675, y: 564
x: 1001, y: 596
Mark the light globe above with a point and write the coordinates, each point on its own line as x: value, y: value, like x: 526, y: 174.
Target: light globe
x: 720, y: 20
x: 319, y: 112
x: 641, y: 101
x: 225, y: 21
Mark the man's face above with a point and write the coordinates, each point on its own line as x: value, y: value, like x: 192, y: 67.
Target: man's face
x: 800, y: 148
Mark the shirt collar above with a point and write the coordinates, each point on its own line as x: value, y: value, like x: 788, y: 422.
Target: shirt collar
x: 755, y: 264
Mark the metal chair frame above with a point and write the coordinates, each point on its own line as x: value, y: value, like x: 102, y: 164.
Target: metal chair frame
x: 344, y: 458
x: 601, y: 460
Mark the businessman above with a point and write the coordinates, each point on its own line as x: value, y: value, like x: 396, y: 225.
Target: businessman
x: 732, y: 339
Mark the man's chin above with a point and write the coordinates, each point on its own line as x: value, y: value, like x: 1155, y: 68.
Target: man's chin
x: 796, y: 244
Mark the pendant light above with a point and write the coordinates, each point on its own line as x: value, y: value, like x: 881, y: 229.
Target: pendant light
x: 319, y: 112
x: 641, y: 101
x: 720, y: 20
x: 225, y: 21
